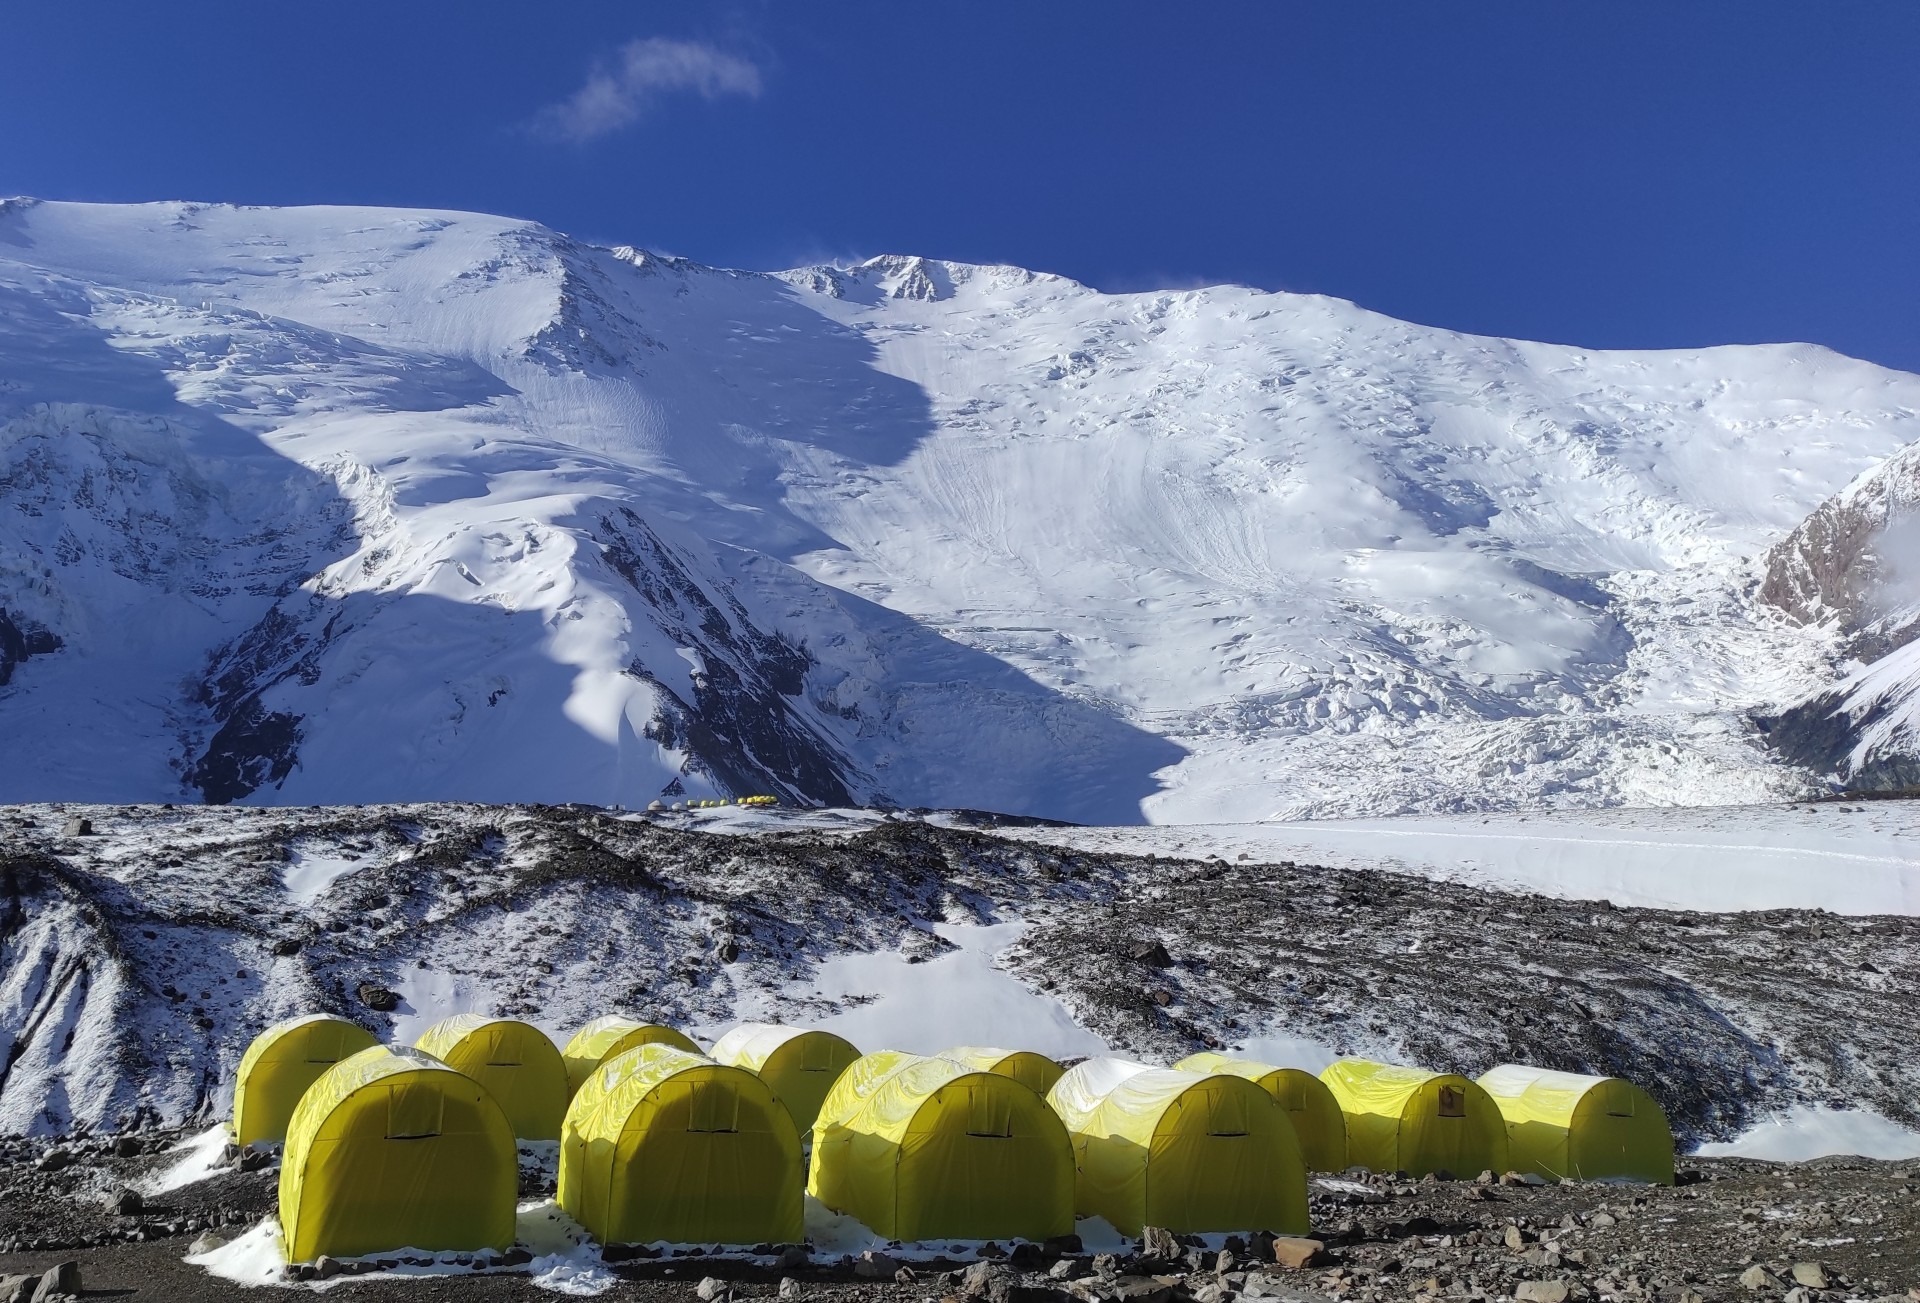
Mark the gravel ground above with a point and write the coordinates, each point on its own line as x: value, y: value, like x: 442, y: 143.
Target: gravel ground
x: 1849, y: 1223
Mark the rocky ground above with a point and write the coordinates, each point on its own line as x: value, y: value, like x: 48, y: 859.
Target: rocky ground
x: 138, y: 958
x: 1820, y: 1232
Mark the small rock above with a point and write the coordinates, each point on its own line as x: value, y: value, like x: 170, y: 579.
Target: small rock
x: 904, y: 1276
x: 794, y: 1255
x: 1027, y: 1256
x: 63, y: 1278
x: 1515, y: 1238
x: 378, y: 998
x: 1810, y: 1274
x: 54, y: 1160
x: 1223, y: 1262
x: 1541, y: 1291
x: 124, y: 1203
x: 77, y: 827
x: 207, y: 1243
x: 875, y: 1265
x: 1106, y: 1265
x: 710, y: 1289
x: 1059, y: 1245
x: 1159, y: 1244
x: 128, y: 1147
x: 1600, y: 1221
x: 326, y: 1267
x: 286, y: 946
x: 1295, y: 1252
x: 1151, y: 953
x: 13, y: 1289
x: 1065, y: 1269
x: 1758, y: 1277
x: 985, y: 1280
x: 791, y: 1289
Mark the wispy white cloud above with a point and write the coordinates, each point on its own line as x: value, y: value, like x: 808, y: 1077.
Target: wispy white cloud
x: 619, y: 93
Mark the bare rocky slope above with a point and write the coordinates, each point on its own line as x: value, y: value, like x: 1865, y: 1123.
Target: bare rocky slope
x: 137, y: 961
x: 1853, y: 568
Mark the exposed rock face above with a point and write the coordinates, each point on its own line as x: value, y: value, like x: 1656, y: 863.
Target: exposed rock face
x: 1852, y: 562
x: 20, y: 639
x: 1854, y: 565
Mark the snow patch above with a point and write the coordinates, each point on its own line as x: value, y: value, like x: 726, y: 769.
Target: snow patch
x: 1814, y: 1132
x: 200, y: 1157
x: 953, y: 999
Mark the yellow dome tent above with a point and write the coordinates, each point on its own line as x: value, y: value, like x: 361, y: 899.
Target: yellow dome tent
x: 515, y: 1062
x: 1194, y: 1154
x: 1412, y: 1120
x: 392, y: 1149
x: 920, y: 1148
x: 799, y: 1064
x: 1577, y: 1128
x: 660, y: 1144
x: 1317, y: 1120
x: 278, y: 1067
x: 1034, y: 1071
x: 605, y: 1037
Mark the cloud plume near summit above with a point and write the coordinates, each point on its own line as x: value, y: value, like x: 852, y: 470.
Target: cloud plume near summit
x: 619, y: 94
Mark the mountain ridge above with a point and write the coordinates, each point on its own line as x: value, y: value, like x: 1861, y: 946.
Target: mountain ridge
x: 911, y: 532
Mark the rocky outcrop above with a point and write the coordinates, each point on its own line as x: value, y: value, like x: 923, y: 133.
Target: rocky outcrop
x: 20, y: 639
x: 1854, y: 566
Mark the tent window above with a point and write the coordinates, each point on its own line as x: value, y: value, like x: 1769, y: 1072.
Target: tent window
x: 1228, y: 1115
x: 1453, y: 1102
x: 414, y: 1111
x: 989, y: 1116
x: 713, y: 1108
x: 1620, y: 1105
x: 1292, y: 1094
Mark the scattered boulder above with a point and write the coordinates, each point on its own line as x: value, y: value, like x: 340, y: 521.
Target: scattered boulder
x: 62, y: 1278
x: 791, y: 1289
x: 1541, y: 1291
x: 1758, y: 1277
x: 988, y: 1280
x: 1160, y: 1245
x: 17, y: 1289
x: 712, y: 1288
x: 875, y: 1265
x: 124, y: 1203
x: 78, y: 827
x: 326, y: 1267
x: 1297, y: 1253
x: 1810, y: 1274
x: 1150, y: 953
x: 1515, y: 1238
x: 794, y: 1255
x: 207, y: 1242
x: 378, y: 998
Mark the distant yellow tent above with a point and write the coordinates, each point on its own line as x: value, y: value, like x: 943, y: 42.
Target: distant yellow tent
x: 1156, y: 1147
x: 660, y: 1144
x: 1034, y: 1071
x: 1317, y: 1120
x: 1412, y: 1120
x: 1576, y: 1128
x: 515, y: 1061
x: 392, y: 1149
x: 918, y: 1148
x: 605, y: 1037
x: 278, y: 1067
x: 799, y: 1064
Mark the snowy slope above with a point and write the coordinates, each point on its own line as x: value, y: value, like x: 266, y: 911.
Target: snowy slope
x: 354, y: 505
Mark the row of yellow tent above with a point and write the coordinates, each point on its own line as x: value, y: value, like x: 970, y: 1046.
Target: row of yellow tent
x: 660, y: 1142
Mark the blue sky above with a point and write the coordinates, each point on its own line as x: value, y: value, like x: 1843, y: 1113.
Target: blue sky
x: 1611, y: 174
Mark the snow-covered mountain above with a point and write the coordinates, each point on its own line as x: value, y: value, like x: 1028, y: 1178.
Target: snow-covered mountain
x: 352, y: 505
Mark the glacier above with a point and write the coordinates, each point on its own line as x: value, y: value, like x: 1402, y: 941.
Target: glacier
x: 351, y: 505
